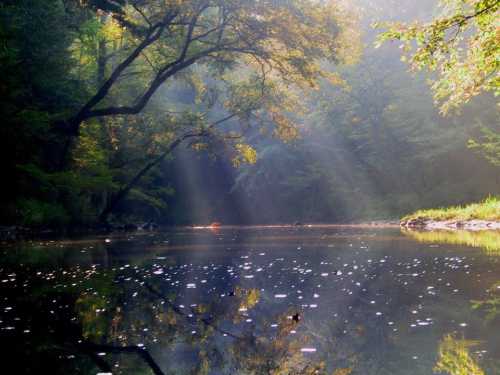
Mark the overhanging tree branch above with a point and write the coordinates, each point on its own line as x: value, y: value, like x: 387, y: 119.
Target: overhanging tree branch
x: 123, y: 192
x: 153, y: 34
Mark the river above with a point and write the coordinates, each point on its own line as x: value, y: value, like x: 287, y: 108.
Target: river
x: 253, y: 300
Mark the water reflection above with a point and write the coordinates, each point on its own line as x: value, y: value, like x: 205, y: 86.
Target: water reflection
x: 489, y: 240
x: 455, y: 358
x: 489, y: 306
x: 248, y: 301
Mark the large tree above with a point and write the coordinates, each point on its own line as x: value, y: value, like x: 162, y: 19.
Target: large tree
x: 260, y: 52
x: 81, y: 81
x: 285, y: 40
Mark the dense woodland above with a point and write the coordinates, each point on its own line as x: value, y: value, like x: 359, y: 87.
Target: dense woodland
x: 120, y: 115
x: 193, y: 111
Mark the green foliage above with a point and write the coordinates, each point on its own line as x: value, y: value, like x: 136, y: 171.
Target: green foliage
x: 488, y: 145
x: 37, y: 88
x: 461, y: 44
x: 142, y: 197
x: 73, y: 189
x: 35, y: 213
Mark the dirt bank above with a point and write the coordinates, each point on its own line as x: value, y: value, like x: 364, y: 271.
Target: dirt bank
x: 429, y: 224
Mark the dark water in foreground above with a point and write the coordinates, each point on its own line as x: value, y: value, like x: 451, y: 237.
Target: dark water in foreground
x: 324, y: 300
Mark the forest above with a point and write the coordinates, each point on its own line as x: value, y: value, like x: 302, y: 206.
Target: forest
x: 245, y: 112
x: 250, y: 187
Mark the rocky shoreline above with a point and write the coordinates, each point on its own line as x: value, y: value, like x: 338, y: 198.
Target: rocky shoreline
x: 430, y: 224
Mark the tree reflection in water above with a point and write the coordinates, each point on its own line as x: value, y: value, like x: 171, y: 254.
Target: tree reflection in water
x: 383, y: 308
x: 454, y: 357
x: 119, y: 333
x: 152, y: 320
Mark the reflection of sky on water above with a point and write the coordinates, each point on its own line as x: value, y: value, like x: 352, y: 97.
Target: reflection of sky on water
x: 370, y: 300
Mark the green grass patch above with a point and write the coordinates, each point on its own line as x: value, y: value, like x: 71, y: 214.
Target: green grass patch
x: 489, y: 209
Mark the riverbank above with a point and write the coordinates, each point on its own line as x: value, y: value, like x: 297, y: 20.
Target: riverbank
x: 484, y: 215
x: 15, y: 232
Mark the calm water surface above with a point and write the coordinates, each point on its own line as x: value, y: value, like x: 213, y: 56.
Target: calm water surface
x: 319, y: 300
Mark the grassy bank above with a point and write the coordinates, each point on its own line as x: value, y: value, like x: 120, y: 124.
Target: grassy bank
x: 489, y: 209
